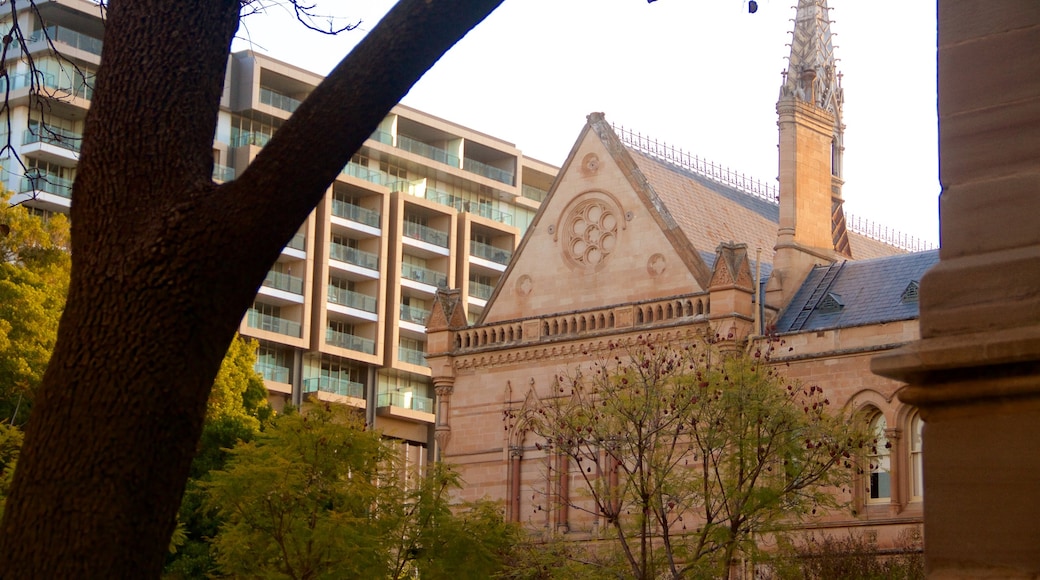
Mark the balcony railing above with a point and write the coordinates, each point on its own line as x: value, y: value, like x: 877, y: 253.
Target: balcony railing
x: 355, y: 213
x: 69, y: 37
x: 489, y: 171
x: 223, y: 173
x: 425, y: 234
x: 424, y: 275
x: 369, y: 175
x: 53, y: 136
x: 353, y: 256
x: 427, y: 151
x: 272, y: 372
x: 243, y: 138
x: 47, y: 183
x: 462, y: 205
x: 278, y: 100
x: 406, y: 401
x: 298, y: 242
x: 533, y: 193
x: 480, y: 290
x: 489, y: 252
x: 350, y: 341
x: 342, y: 387
x: 286, y: 282
x: 413, y: 314
x: 351, y: 299
x: 383, y: 137
x: 255, y: 319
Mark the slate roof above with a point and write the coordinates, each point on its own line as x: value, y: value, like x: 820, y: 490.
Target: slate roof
x: 868, y: 291
x: 710, y: 213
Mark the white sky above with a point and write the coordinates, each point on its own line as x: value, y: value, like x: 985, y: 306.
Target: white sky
x: 701, y: 75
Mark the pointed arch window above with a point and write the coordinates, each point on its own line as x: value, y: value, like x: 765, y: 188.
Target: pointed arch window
x: 916, y: 457
x: 879, y: 461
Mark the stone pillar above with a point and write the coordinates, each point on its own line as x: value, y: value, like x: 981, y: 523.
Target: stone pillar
x: 975, y: 373
x: 516, y: 457
x: 442, y: 432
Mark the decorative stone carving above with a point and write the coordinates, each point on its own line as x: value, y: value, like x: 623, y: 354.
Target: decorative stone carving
x: 589, y: 231
x: 656, y: 265
x: 524, y: 285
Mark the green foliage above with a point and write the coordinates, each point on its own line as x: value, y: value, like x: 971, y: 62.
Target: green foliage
x: 852, y: 557
x: 10, y: 445
x: 318, y: 496
x: 686, y: 454
x: 238, y: 391
x: 34, y: 278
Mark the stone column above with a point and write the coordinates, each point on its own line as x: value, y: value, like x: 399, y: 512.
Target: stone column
x: 442, y: 432
x: 975, y: 373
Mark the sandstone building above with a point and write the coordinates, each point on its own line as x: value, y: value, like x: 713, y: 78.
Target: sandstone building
x: 636, y: 238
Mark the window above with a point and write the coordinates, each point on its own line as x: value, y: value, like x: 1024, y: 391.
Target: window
x: 916, y: 458
x: 879, y: 461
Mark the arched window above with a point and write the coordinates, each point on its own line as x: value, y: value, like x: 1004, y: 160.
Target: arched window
x: 879, y: 461
x: 916, y: 458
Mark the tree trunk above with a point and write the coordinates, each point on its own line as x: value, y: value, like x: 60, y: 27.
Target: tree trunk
x: 165, y: 263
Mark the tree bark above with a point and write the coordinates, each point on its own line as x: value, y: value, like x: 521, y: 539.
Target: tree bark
x: 165, y: 264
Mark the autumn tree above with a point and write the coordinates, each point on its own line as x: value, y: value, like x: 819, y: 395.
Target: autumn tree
x: 318, y: 496
x: 34, y: 274
x: 685, y: 454
x: 166, y: 262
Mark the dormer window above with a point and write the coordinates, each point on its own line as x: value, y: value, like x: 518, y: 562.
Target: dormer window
x: 910, y: 293
x: 831, y: 303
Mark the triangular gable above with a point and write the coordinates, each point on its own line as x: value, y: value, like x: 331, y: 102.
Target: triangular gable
x: 601, y: 236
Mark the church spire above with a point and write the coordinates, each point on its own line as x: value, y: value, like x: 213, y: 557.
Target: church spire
x: 812, y: 74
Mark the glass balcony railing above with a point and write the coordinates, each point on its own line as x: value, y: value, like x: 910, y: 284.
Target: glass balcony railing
x: 298, y: 242
x: 243, y: 138
x: 53, y: 136
x: 413, y: 314
x: 285, y: 282
x: 353, y: 256
x: 355, y: 213
x: 406, y: 401
x: 427, y: 151
x: 426, y: 234
x: 342, y: 387
x: 480, y: 290
x: 278, y: 100
x: 480, y: 208
x: 351, y: 299
x: 383, y: 137
x: 369, y: 175
x: 533, y: 193
x: 254, y: 319
x: 424, y: 275
x: 69, y: 37
x: 223, y: 173
x: 272, y: 372
x: 47, y: 183
x: 489, y: 252
x: 350, y: 341
x: 489, y: 171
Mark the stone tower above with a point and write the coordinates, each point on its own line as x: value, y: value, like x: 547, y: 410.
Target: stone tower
x: 812, y: 222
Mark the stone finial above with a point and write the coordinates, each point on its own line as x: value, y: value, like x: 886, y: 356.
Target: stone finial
x: 732, y: 267
x: 447, y: 312
x: 812, y: 75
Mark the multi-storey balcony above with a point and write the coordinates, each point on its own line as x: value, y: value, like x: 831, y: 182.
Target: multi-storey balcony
x: 533, y: 193
x: 256, y: 139
x: 349, y: 341
x: 352, y: 299
x: 298, y: 242
x: 382, y: 137
x: 278, y: 100
x: 355, y: 213
x: 65, y: 139
x: 271, y: 372
x: 489, y: 171
x: 427, y: 151
x: 353, y: 256
x: 483, y: 209
x: 406, y: 401
x: 490, y: 253
x: 366, y: 174
x: 46, y: 183
x: 60, y: 35
x: 424, y: 275
x: 426, y: 234
x: 411, y: 355
x: 414, y: 315
x: 480, y: 290
x: 341, y: 387
x: 284, y: 282
x: 223, y: 173
x: 269, y: 323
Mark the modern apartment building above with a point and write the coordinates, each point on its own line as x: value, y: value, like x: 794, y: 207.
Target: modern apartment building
x: 425, y: 204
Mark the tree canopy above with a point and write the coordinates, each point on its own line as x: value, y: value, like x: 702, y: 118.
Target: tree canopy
x: 687, y: 454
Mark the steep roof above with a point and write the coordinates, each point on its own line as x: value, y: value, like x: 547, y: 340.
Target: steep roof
x: 856, y: 293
